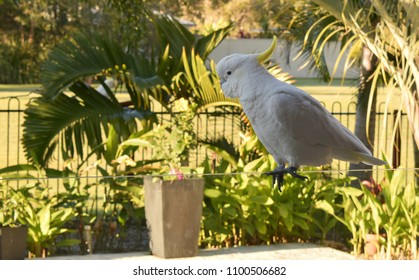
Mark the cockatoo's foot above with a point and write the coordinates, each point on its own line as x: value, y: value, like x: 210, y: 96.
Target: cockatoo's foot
x: 280, y: 171
x: 277, y: 176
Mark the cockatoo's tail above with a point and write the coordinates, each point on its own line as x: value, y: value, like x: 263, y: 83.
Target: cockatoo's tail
x: 267, y: 54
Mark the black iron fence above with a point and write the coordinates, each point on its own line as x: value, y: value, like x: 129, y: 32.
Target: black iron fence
x: 392, y: 134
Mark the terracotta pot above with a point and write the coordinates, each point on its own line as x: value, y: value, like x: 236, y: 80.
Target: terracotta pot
x: 173, y: 211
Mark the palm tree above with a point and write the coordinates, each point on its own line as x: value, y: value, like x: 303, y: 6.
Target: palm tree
x: 80, y: 115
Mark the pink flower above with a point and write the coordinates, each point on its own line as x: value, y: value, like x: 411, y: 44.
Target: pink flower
x: 177, y: 172
x: 374, y: 188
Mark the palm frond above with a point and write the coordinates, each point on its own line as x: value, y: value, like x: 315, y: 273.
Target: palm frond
x: 171, y: 32
x: 310, y: 31
x: 84, y: 117
x: 205, y: 45
x: 80, y: 57
x: 390, y: 30
x: 75, y: 121
x: 204, y: 83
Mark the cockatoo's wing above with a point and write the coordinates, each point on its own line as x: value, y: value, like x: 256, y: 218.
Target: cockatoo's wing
x: 308, y: 122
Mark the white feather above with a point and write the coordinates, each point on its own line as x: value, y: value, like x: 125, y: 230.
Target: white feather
x: 293, y: 126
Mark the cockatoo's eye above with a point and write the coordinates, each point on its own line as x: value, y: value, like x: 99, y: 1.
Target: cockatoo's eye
x: 228, y: 73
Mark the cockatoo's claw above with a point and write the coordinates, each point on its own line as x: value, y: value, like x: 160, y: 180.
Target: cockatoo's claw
x: 280, y: 171
x: 277, y: 176
x: 293, y: 172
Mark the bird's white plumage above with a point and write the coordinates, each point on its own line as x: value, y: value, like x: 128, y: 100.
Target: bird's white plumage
x: 293, y: 126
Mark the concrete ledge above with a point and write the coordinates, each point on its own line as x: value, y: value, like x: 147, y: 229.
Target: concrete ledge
x: 286, y: 251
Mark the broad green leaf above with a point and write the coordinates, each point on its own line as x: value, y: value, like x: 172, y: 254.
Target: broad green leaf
x: 289, y: 224
x: 261, y: 227
x: 262, y: 199
x: 17, y: 168
x: 409, y: 196
x: 136, y: 142
x: 231, y: 211
x: 283, y: 211
x: 252, y: 166
x: 305, y: 216
x: 112, y: 143
x: 301, y: 223
x: 408, y: 216
x: 396, y: 184
x: 67, y: 214
x: 325, y: 206
x: 44, y: 218
x: 213, y: 193
x: 250, y: 229
x: 350, y: 191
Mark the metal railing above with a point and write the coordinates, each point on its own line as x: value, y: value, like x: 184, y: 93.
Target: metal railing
x: 392, y: 135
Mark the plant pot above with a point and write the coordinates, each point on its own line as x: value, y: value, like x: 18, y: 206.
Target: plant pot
x: 173, y: 212
x: 13, y: 242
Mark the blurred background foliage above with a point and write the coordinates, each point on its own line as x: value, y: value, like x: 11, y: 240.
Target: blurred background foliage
x: 30, y: 29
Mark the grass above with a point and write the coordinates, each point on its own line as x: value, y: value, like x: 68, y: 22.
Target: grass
x: 317, y: 82
x: 18, y: 88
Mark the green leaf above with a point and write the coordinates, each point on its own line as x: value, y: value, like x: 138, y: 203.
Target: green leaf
x: 231, y: 211
x: 262, y: 199
x: 301, y: 223
x: 289, y: 224
x: 396, y: 184
x: 325, y: 206
x: 351, y: 191
x: 283, y: 211
x: 17, y: 168
x: 112, y: 143
x: 213, y: 193
x: 44, y: 219
x: 250, y: 229
x: 409, y: 196
x: 136, y: 142
x: 253, y: 165
x: 206, y: 44
x: 261, y: 227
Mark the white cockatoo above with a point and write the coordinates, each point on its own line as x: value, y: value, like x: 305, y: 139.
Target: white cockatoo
x: 293, y: 126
